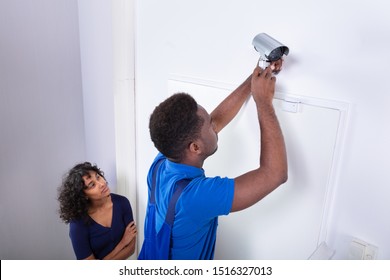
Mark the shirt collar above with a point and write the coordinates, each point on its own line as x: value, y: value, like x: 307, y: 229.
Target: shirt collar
x: 187, y: 170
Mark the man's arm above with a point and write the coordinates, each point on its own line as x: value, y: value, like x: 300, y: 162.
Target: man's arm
x: 230, y: 106
x: 272, y: 171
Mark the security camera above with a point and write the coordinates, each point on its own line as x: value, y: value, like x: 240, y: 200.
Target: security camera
x: 269, y: 49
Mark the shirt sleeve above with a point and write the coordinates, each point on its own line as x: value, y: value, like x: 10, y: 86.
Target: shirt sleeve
x: 211, y: 197
x: 127, y: 211
x: 79, y: 236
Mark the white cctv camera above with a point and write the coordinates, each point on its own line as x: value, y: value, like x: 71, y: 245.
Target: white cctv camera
x: 270, y: 50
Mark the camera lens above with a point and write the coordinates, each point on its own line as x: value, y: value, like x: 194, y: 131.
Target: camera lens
x: 276, y: 54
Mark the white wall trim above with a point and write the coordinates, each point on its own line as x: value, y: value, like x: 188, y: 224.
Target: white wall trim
x: 124, y: 99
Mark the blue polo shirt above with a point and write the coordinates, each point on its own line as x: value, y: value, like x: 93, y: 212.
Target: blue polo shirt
x: 197, y: 210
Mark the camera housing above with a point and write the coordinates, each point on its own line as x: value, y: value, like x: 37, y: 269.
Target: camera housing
x: 269, y: 48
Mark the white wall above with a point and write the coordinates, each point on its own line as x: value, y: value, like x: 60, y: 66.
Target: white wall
x: 96, y: 52
x: 41, y: 123
x: 335, y: 53
x: 107, y: 58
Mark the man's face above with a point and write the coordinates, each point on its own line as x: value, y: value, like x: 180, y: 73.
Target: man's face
x: 208, y: 136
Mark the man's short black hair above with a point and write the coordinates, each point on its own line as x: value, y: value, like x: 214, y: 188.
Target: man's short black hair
x: 174, y: 124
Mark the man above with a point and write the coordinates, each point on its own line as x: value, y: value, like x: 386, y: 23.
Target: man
x: 186, y: 135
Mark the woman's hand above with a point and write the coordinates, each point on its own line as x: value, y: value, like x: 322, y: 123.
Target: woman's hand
x: 130, y: 233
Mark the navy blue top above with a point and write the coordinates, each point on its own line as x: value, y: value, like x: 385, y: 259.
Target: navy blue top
x: 197, y: 210
x: 93, y: 238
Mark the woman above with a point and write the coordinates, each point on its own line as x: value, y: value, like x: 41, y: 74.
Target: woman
x: 101, y: 222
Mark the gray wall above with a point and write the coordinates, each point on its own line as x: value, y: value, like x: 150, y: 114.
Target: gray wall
x: 56, y: 109
x: 41, y: 123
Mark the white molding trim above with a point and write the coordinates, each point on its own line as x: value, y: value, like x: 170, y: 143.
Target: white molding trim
x: 124, y: 99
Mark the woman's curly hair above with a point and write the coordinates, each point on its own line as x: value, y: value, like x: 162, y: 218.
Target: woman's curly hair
x: 73, y: 202
x: 174, y: 124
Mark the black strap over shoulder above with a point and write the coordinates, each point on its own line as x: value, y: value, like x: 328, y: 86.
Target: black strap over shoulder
x: 180, y: 185
x: 152, y: 193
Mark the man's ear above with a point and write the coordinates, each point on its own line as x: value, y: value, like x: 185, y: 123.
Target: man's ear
x: 194, y: 148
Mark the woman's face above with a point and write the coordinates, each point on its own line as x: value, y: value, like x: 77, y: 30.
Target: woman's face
x: 96, y: 186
